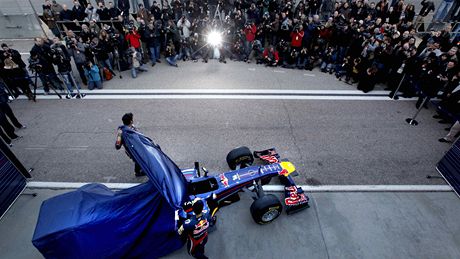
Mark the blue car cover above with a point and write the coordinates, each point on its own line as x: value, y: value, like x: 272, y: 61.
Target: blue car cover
x: 160, y: 169
x: 95, y: 222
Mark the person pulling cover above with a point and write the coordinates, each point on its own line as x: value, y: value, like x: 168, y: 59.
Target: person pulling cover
x: 128, y: 120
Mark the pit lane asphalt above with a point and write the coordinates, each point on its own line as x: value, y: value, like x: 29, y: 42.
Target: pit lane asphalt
x: 330, y: 142
x: 337, y: 225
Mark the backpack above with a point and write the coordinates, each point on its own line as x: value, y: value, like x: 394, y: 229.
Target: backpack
x: 107, y: 74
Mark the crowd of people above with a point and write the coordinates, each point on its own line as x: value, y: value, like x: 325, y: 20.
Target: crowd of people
x: 359, y: 41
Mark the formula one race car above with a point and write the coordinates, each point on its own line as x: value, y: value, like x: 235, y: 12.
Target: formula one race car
x: 142, y: 221
x: 223, y: 189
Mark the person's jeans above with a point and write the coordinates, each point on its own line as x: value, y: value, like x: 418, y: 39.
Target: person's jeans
x: 172, y: 60
x: 69, y: 81
x: 154, y: 54
x: 94, y: 84
x: 135, y: 69
x: 443, y: 10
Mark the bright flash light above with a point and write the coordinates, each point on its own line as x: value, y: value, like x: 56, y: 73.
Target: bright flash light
x: 214, y: 38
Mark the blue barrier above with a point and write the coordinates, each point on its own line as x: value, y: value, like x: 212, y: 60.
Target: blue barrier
x: 12, y: 178
x: 449, y: 167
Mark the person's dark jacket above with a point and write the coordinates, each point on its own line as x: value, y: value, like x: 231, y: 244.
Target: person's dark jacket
x: 123, y: 5
x: 100, y: 50
x: 104, y: 14
x: 16, y: 57
x: 114, y: 12
x: 66, y: 15
x: 79, y: 12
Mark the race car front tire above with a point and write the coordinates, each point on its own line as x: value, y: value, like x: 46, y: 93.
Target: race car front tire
x: 240, y: 156
x: 266, y: 209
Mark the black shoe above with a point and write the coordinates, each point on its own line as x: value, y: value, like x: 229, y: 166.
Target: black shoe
x: 79, y: 96
x: 443, y: 140
x: 443, y: 122
x: 447, y: 129
x: 158, y: 61
x: 153, y: 65
x: 437, y: 116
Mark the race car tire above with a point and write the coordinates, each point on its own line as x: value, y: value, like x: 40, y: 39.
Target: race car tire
x: 240, y: 156
x: 266, y: 209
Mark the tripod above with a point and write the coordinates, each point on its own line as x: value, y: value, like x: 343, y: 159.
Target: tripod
x: 50, y: 85
x: 117, y: 59
x: 70, y: 78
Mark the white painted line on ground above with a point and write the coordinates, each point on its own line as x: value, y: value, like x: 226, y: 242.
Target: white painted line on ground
x: 274, y: 188
x: 312, y: 75
x: 279, y: 71
x: 230, y: 97
x: 34, y: 148
x: 24, y: 53
x: 251, y: 69
x: 230, y: 91
x: 76, y: 149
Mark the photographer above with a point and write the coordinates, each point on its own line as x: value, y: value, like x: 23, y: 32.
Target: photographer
x: 256, y: 52
x: 41, y: 62
x: 93, y: 75
x: 61, y: 58
x: 100, y: 50
x: 77, y: 51
x: 135, y: 61
x: 250, y: 30
x: 12, y: 72
x: 271, y: 56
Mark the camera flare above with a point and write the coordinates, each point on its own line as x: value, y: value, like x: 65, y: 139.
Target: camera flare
x: 214, y: 38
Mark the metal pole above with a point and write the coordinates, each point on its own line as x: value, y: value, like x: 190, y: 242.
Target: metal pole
x: 397, y: 89
x: 38, y: 18
x: 412, y: 120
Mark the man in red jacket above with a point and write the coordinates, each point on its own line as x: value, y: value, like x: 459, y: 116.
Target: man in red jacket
x: 271, y: 56
x: 250, y: 30
x: 133, y: 38
x: 296, y: 37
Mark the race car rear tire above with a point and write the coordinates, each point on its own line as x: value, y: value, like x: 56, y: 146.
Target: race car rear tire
x: 240, y: 156
x: 266, y: 209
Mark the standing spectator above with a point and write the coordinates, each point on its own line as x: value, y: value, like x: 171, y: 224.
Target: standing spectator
x: 144, y: 14
x: 296, y: 37
x: 57, y: 9
x: 62, y: 59
x: 103, y: 12
x: 101, y: 52
x: 114, y: 12
x: 50, y: 19
x: 41, y: 62
x: 91, y: 13
x: 6, y: 109
x: 78, y: 11
x: 77, y: 51
x: 450, y: 137
x: 133, y: 38
x: 427, y: 7
x: 153, y: 42
x: 250, y: 34
x: 123, y: 5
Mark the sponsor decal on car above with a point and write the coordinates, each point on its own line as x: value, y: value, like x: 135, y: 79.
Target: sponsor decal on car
x: 224, y: 180
x: 294, y: 197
